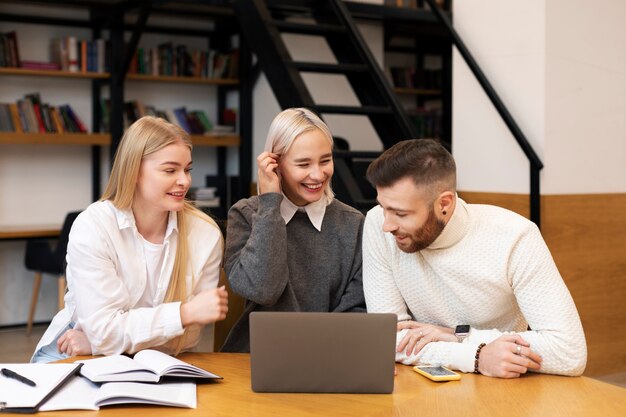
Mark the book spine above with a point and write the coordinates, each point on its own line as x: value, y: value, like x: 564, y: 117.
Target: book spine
x: 15, y: 117
x: 56, y: 120
x: 77, y: 122
x: 13, y: 49
x: 72, y: 54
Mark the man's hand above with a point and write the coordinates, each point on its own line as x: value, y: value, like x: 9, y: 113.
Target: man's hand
x: 269, y: 181
x: 207, y: 307
x: 420, y: 334
x: 74, y: 343
x: 508, y: 356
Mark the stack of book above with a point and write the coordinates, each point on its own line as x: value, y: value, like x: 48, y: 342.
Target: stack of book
x: 31, y: 115
x: 104, y: 381
x: 204, y: 197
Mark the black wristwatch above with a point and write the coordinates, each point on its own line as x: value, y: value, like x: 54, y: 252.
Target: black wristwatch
x: 462, y: 331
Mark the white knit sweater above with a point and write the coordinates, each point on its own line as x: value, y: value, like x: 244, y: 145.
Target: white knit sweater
x: 490, y: 268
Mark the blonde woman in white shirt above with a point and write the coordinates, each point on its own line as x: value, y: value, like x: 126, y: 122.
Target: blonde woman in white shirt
x: 142, y: 263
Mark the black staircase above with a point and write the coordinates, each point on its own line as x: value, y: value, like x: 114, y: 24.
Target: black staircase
x: 262, y: 23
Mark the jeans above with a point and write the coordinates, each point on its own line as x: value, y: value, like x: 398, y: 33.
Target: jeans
x: 50, y: 352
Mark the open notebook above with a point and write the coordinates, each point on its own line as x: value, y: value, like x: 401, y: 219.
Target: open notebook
x: 81, y: 394
x: 146, y: 366
x: 17, y: 397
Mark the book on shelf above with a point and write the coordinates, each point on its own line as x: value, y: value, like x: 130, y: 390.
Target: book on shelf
x: 412, y: 77
x: 82, y: 394
x: 18, y: 397
x: 146, y: 366
x: 79, y: 55
x: 31, y: 115
x: 6, y: 120
x: 195, y: 122
x: 9, y: 50
x: 427, y: 121
x: 168, y: 59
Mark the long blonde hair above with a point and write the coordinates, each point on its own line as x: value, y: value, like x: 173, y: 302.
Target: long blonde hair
x: 144, y: 137
x: 288, y: 125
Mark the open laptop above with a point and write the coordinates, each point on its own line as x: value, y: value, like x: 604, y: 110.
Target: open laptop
x: 322, y: 352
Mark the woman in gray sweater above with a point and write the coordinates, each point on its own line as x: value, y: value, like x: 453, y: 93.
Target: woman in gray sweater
x: 294, y: 247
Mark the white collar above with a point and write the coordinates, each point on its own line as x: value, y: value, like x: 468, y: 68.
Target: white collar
x: 126, y: 218
x: 315, y: 211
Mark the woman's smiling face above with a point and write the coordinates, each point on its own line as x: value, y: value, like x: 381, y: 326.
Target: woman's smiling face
x: 307, y: 168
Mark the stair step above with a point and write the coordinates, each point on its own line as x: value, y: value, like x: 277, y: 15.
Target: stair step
x: 308, y: 29
x: 329, y: 68
x: 364, y: 110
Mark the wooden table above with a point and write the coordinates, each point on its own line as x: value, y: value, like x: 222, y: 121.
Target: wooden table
x: 474, y: 395
x: 27, y: 232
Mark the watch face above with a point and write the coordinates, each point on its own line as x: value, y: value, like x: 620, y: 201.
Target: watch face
x: 462, y: 328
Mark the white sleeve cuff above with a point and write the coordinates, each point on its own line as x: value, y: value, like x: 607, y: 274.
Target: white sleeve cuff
x: 462, y: 356
x: 172, y: 322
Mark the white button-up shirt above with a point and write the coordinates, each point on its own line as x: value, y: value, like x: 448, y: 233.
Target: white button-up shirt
x: 107, y: 278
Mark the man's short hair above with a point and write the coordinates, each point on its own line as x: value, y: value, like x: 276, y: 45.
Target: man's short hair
x: 425, y: 161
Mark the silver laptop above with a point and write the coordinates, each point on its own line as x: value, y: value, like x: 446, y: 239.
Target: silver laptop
x: 322, y: 352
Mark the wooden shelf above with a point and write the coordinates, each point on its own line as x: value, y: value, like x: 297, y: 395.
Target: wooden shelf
x: 55, y: 138
x: 221, y: 140
x: 174, y: 79
x: 27, y: 232
x: 52, y: 73
x: 417, y: 91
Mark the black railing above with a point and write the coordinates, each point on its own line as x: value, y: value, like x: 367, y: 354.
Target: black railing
x: 535, y: 163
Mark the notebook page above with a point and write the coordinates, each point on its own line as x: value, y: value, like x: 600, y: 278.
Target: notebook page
x: 110, y: 368
x: 47, y: 376
x: 164, y: 364
x: 174, y: 394
x: 78, y: 394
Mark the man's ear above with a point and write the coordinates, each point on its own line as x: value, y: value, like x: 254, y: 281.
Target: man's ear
x: 445, y: 203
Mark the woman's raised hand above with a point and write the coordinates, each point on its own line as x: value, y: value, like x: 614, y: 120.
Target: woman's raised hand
x: 206, y: 307
x: 269, y: 180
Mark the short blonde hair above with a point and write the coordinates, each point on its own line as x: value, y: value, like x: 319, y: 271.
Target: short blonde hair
x: 288, y: 125
x: 144, y: 137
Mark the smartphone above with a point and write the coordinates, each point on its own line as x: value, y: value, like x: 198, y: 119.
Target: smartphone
x: 437, y: 373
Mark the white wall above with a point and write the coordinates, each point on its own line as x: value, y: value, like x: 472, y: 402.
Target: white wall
x: 585, y: 97
x: 560, y: 67
x: 507, y: 40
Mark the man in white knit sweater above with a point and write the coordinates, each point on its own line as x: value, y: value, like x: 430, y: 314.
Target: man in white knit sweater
x: 438, y: 263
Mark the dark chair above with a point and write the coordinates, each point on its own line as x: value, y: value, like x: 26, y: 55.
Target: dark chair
x: 41, y: 258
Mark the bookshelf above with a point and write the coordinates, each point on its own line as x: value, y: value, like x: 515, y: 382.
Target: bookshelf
x: 52, y: 73
x: 94, y: 139
x: 182, y: 80
x: 122, y: 27
x: 418, y: 62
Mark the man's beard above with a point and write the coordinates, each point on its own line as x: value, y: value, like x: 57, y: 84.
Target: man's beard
x: 425, y: 235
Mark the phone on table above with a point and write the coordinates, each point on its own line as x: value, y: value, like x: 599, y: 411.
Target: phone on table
x: 437, y: 373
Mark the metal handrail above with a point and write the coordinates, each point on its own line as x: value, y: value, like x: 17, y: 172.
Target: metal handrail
x: 535, y: 163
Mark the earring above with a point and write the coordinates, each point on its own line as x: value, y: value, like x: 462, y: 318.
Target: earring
x: 444, y: 212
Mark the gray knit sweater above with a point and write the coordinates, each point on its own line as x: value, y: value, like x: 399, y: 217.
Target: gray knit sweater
x: 293, y: 267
